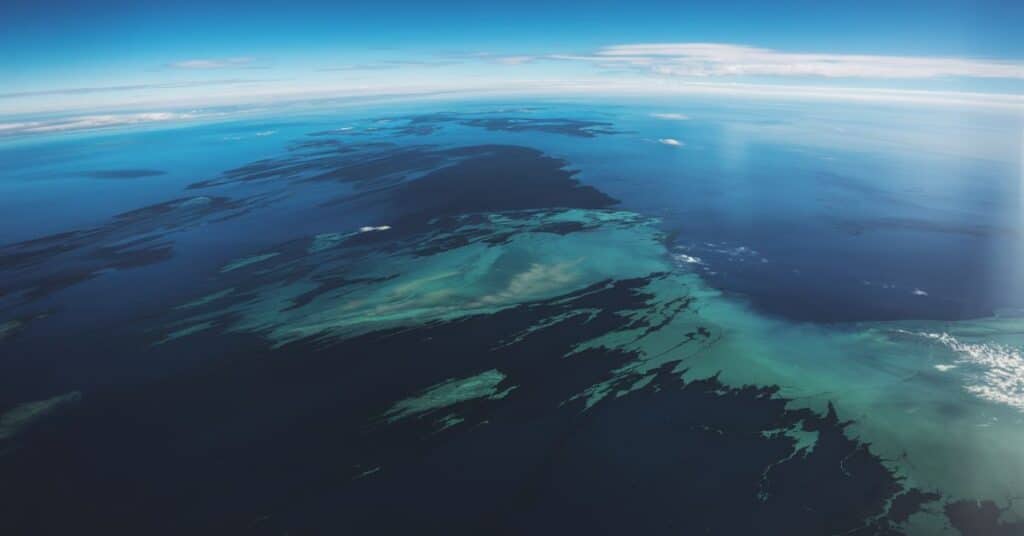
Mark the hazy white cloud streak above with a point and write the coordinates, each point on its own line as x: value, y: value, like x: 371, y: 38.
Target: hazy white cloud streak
x: 720, y: 60
x: 89, y: 122
x: 213, y: 63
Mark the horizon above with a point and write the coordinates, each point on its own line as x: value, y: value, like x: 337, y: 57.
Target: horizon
x: 456, y: 267
x: 64, y: 60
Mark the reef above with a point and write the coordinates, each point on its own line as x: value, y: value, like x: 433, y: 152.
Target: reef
x: 506, y: 353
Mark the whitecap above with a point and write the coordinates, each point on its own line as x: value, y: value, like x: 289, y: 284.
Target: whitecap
x: 688, y: 259
x: 1001, y: 377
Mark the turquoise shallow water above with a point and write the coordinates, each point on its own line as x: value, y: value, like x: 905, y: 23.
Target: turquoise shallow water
x: 941, y: 402
x: 421, y: 274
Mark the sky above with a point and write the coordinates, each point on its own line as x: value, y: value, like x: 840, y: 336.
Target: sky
x: 79, y: 56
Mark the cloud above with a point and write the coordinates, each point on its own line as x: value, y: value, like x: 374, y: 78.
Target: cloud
x: 134, y: 87
x: 725, y: 60
x: 514, y: 60
x: 390, y: 64
x: 360, y: 67
x: 672, y: 142
x: 214, y: 63
x: 423, y: 63
x: 501, y: 59
x: 239, y: 102
x: 671, y: 116
x: 89, y: 122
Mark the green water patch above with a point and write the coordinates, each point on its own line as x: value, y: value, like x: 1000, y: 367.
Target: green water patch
x: 432, y: 404
x: 451, y: 392
x: 484, y: 264
x: 247, y: 261
x: 209, y: 298
x: 938, y: 403
x: 10, y: 328
x: 17, y: 418
x: 495, y: 349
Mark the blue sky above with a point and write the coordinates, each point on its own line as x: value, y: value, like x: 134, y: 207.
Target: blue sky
x: 81, y: 55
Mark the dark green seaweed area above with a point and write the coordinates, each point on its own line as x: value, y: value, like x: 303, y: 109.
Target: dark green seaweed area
x: 306, y: 438
x: 284, y: 440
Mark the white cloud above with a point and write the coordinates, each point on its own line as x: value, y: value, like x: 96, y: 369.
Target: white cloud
x: 670, y: 142
x: 506, y: 59
x: 88, y: 122
x: 133, y: 87
x: 249, y: 98
x: 719, y: 60
x: 514, y: 60
x: 213, y: 63
x: 671, y: 116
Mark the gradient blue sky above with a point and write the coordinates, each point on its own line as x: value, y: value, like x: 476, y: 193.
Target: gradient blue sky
x: 77, y: 55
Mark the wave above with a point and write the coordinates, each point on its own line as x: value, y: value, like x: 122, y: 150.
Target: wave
x: 1000, y: 367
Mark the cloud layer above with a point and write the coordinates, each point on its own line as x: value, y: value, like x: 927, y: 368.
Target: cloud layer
x: 213, y: 63
x: 132, y: 87
x: 723, y: 60
x: 654, y: 68
x: 89, y: 122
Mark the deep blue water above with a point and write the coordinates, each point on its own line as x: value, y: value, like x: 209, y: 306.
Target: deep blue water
x: 255, y: 323
x: 812, y: 212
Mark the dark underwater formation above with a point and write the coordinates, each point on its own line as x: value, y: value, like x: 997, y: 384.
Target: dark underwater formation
x: 501, y: 350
